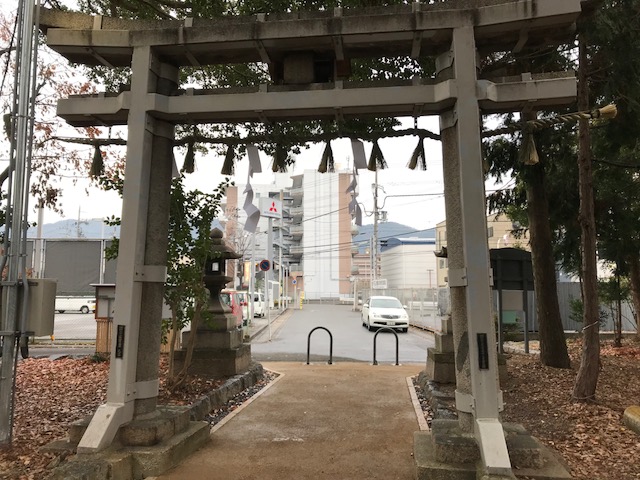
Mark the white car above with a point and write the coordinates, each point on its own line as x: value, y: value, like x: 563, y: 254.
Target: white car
x: 387, y: 312
x: 259, y: 305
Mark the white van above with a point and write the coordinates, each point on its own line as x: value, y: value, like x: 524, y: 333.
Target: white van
x: 75, y: 304
x: 259, y: 306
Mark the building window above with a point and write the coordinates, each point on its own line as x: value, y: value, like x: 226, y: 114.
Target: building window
x: 489, y: 232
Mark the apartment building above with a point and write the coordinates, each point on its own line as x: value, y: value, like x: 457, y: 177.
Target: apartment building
x: 312, y: 244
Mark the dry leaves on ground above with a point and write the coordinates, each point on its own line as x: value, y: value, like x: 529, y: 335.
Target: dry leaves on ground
x: 591, y: 437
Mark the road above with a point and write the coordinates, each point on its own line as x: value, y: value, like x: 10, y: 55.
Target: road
x: 351, y: 341
x: 74, y: 326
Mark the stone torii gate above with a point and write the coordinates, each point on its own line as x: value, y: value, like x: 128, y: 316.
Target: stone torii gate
x: 294, y: 45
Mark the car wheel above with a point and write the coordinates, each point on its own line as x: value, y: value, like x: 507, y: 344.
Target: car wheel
x: 84, y: 309
x: 369, y: 327
x: 405, y: 330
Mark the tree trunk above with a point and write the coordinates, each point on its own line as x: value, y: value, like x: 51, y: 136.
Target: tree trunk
x: 191, y: 343
x: 553, y: 344
x: 634, y: 280
x: 587, y: 379
x: 172, y: 343
x: 617, y: 341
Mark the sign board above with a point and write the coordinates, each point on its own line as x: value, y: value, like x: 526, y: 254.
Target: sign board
x: 379, y: 284
x: 294, y: 281
x: 270, y: 207
x: 265, y: 265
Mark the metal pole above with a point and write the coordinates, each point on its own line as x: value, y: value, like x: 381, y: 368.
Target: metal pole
x: 267, y: 274
x: 252, y: 282
x: 37, y: 261
x: 16, y: 216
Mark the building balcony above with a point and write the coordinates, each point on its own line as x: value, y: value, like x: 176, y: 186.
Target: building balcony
x: 296, y: 250
x: 297, y: 192
x: 296, y: 212
x: 296, y: 230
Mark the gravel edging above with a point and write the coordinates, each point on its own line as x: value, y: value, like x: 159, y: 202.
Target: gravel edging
x: 221, y: 399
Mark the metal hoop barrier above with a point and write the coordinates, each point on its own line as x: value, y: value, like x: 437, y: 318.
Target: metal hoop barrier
x: 375, y: 339
x: 330, y: 344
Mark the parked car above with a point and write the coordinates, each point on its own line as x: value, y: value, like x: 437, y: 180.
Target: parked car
x: 243, y: 298
x: 231, y: 298
x: 387, y: 312
x: 259, y: 305
x: 75, y: 304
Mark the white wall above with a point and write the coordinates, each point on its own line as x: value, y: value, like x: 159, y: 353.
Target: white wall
x: 409, y: 266
x: 320, y: 239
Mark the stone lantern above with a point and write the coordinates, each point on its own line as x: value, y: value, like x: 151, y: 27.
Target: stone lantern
x: 219, y: 349
x: 215, y: 279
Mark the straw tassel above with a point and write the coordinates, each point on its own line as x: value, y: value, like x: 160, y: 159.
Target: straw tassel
x: 228, y: 167
x: 327, y: 162
x: 528, y: 151
x: 376, y: 160
x: 608, y: 111
x: 189, y: 159
x: 97, y: 163
x: 418, y: 157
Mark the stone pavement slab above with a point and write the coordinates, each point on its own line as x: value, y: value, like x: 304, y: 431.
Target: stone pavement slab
x: 342, y: 421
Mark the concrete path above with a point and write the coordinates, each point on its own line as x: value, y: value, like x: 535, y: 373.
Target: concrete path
x: 348, y: 421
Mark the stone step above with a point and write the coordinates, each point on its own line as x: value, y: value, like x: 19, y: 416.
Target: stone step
x: 130, y: 463
x: 446, y: 453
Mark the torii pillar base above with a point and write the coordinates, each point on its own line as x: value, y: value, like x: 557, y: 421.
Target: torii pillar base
x: 447, y: 453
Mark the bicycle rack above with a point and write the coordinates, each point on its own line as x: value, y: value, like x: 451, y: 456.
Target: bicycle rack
x: 330, y: 343
x: 375, y: 338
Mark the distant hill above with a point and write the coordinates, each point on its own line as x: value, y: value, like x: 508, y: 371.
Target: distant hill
x: 90, y: 228
x: 389, y: 230
x: 95, y: 228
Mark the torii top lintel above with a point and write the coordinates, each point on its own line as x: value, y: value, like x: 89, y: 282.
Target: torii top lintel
x: 407, y: 30
x: 410, y: 30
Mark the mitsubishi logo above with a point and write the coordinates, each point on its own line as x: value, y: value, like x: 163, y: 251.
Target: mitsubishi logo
x: 273, y: 208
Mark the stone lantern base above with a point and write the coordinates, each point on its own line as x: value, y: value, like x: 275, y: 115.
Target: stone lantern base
x: 219, y: 350
x: 217, y: 362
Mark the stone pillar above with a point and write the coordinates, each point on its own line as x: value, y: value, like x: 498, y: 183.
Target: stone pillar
x: 441, y: 359
x: 477, y: 396
x: 135, y: 348
x: 455, y: 262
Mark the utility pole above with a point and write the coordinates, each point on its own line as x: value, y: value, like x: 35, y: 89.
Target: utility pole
x: 280, y: 271
x: 374, y: 251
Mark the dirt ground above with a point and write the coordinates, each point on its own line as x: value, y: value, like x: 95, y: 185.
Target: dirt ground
x: 591, y: 438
